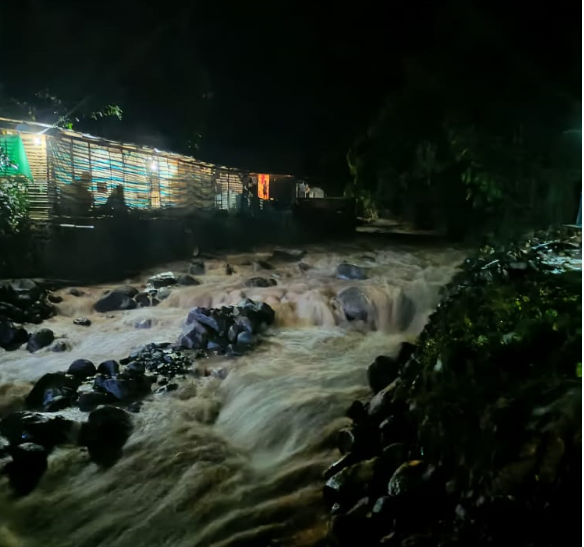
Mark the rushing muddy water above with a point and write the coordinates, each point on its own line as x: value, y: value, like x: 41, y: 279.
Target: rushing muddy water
x: 222, y: 462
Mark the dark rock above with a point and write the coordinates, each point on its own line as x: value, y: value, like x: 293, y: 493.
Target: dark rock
x: 136, y: 367
x: 407, y: 479
x: 354, y: 304
x: 143, y: 299
x: 380, y: 404
x: 58, y: 403
x: 11, y: 337
x: 109, y: 368
x: 352, y: 527
x: 357, y: 412
x: 350, y: 484
x: 245, y: 339
x: 126, y: 290
x: 55, y: 298
x: 60, y: 346
x: 90, y: 401
x: 346, y: 461
x: 229, y: 269
x: 40, y: 339
x: 287, y: 255
x: 44, y: 429
x: 350, y: 271
x: 76, y: 292
x: 163, y: 294
x: 264, y: 265
x: 382, y: 372
x: 260, y: 282
x: 303, y: 267
x: 114, y: 300
x: 160, y: 280
x: 232, y: 333
x: 167, y: 388
x: 143, y: 324
x: 105, y: 433
x: 50, y: 386
x: 187, y: 280
x: 82, y: 369
x: 197, y: 266
x: 124, y: 390
x: 82, y: 322
x: 12, y: 312
x: 28, y: 465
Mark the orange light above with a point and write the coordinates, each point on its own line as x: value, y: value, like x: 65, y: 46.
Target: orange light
x: 264, y: 186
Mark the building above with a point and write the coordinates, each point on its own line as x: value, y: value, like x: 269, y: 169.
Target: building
x: 61, y: 164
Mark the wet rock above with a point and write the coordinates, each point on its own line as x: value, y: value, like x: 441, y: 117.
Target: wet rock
x: 264, y: 265
x: 357, y: 412
x: 60, y: 346
x: 197, y: 266
x: 11, y: 312
x: 143, y: 324
x: 165, y: 279
x: 352, y: 527
x: 346, y: 461
x: 40, y: 339
x: 76, y: 292
x: 109, y: 368
x: 187, y: 280
x: 303, y: 267
x: 51, y: 386
x: 33, y: 427
x: 11, y: 337
x: 114, y: 300
x: 162, y: 294
x: 287, y: 255
x: 354, y: 304
x: 350, y: 271
x: 229, y: 269
x: 55, y: 298
x: 28, y: 465
x: 350, y: 484
x: 82, y: 322
x: 381, y: 403
x: 105, y: 433
x: 232, y: 333
x: 125, y: 389
x: 382, y: 372
x: 143, y: 299
x: 260, y: 282
x: 90, y: 401
x: 246, y: 339
x: 82, y: 369
x: 407, y: 479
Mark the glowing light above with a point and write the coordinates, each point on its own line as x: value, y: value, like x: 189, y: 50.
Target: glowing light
x: 153, y: 166
x: 37, y: 141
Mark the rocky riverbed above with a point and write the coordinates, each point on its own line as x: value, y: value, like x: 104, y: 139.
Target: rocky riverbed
x: 230, y: 377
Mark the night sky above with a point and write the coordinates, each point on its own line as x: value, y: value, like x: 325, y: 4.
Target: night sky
x: 271, y: 86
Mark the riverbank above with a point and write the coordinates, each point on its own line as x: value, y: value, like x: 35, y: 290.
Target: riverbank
x: 473, y: 435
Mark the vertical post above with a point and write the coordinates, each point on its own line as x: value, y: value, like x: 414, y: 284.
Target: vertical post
x: 228, y: 191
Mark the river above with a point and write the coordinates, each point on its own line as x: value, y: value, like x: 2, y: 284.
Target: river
x: 229, y: 462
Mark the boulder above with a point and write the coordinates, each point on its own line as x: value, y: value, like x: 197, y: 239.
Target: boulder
x: 197, y: 266
x: 33, y: 427
x: 382, y: 372
x: 114, y: 300
x: 187, y: 280
x: 165, y: 279
x: 287, y: 255
x: 109, y: 368
x: 264, y: 265
x: 354, y: 304
x: 40, y: 339
x: 105, y: 433
x: 261, y: 282
x: 55, y: 298
x: 82, y: 322
x: 51, y: 386
x: 350, y: 271
x: 28, y: 465
x: 11, y: 337
x: 82, y: 369
x: 60, y: 346
x: 90, y: 401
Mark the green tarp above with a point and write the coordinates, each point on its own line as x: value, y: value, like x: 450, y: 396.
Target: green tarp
x: 13, y: 160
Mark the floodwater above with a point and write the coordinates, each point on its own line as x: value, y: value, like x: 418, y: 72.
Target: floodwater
x: 233, y: 462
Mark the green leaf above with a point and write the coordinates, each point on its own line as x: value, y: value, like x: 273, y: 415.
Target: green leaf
x: 579, y: 370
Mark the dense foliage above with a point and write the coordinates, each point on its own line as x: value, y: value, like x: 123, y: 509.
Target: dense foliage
x: 13, y: 205
x: 474, y: 142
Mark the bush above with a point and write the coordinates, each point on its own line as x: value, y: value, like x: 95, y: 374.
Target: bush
x: 13, y: 205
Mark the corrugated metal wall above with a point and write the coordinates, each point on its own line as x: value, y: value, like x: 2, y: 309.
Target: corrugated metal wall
x: 36, y: 152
